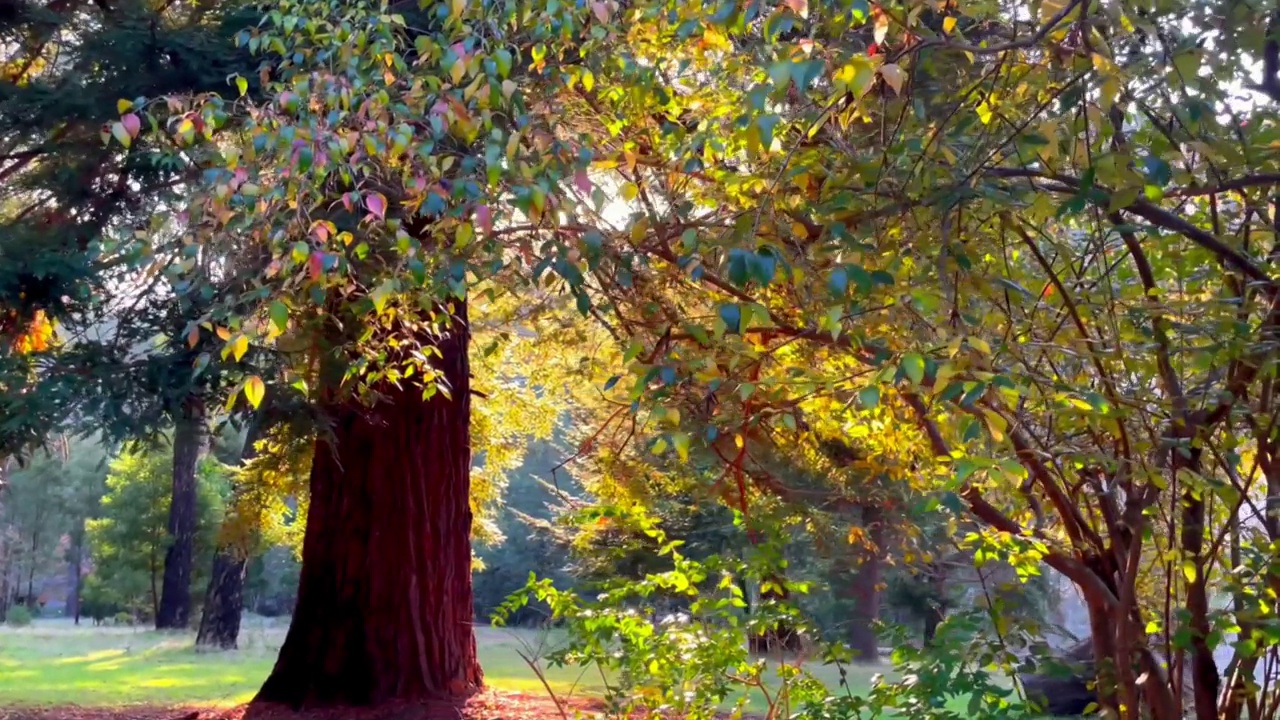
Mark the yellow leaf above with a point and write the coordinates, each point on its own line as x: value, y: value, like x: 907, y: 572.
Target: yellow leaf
x: 123, y: 106
x: 681, y: 441
x: 980, y: 345
x: 629, y: 191
x: 239, y: 347
x: 456, y: 7
x: 948, y: 24
x: 892, y: 75
x: 984, y: 113
x: 457, y: 71
x: 1050, y: 8
x: 254, y: 389
x: 996, y: 424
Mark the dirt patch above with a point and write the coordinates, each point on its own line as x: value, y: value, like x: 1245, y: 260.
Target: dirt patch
x: 490, y: 705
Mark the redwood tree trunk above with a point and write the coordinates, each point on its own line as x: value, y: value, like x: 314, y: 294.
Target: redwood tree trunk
x: 384, y: 607
x: 224, y: 598
x: 864, y: 589
x: 175, y: 594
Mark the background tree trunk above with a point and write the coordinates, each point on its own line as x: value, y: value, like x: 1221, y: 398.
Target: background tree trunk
x: 223, y: 601
x: 864, y: 589
x: 384, y: 606
x: 75, y: 557
x: 224, y: 598
x: 174, y: 611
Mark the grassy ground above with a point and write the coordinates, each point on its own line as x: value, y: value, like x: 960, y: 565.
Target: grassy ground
x: 54, y: 662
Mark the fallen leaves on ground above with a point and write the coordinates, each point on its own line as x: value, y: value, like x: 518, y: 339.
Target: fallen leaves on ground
x: 486, y: 706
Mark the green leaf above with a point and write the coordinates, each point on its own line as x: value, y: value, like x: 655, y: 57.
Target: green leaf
x: 242, y: 85
x: 502, y: 59
x: 913, y: 366
x: 869, y: 397
x: 279, y: 315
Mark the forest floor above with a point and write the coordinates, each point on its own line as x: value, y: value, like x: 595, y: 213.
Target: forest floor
x: 54, y: 670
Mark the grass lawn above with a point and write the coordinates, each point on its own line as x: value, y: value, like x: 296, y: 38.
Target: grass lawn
x: 53, y: 662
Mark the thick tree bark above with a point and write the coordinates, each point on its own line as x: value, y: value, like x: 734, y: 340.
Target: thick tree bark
x: 175, y: 596
x: 224, y: 598
x: 865, y: 589
x: 384, y: 607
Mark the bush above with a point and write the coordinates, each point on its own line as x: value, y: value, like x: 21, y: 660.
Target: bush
x: 19, y: 616
x: 123, y: 618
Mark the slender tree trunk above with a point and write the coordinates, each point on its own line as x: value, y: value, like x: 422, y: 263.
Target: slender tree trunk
x: 384, y: 608
x: 155, y: 593
x: 865, y: 589
x: 224, y: 598
x: 73, y: 572
x: 175, y: 597
x: 1204, y: 669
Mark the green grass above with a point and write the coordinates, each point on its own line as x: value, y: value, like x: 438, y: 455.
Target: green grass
x: 54, y: 662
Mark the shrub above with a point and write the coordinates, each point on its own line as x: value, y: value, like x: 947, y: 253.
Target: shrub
x: 122, y: 618
x: 19, y: 616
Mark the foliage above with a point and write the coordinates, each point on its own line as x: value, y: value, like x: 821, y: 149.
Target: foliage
x: 18, y: 616
x: 1015, y: 259
x: 690, y: 657
x: 130, y: 537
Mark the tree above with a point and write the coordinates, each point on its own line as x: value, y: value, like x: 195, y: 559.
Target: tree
x: 130, y: 539
x: 995, y: 256
x: 365, y: 293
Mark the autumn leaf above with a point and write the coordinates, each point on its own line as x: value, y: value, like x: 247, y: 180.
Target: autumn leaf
x: 132, y: 124
x: 254, y: 390
x: 121, y: 134
x: 377, y: 204
x: 484, y: 218
x: 892, y: 75
x: 239, y: 346
x: 799, y: 7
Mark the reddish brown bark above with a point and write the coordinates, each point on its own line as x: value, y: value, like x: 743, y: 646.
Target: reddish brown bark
x: 384, y: 603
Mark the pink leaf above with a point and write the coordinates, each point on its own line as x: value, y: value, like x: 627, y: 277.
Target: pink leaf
x: 320, y: 230
x: 346, y: 201
x: 484, y: 218
x: 316, y: 265
x: 582, y: 182
x: 377, y: 204
x: 799, y: 7
x: 601, y: 11
x: 132, y: 124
